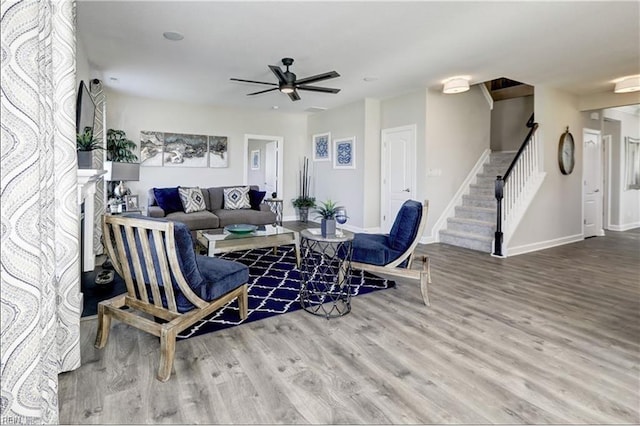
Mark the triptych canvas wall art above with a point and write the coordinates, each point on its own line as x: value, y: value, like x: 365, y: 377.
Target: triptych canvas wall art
x: 160, y: 149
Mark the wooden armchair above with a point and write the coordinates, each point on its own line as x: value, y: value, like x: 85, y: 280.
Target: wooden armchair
x: 393, y: 254
x: 165, y: 279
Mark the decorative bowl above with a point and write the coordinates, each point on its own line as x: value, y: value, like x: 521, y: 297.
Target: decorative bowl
x: 240, y: 228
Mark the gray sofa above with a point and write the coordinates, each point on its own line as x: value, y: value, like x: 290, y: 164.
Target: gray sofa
x: 215, y: 216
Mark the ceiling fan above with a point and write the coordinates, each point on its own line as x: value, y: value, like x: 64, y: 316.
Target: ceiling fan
x: 288, y: 84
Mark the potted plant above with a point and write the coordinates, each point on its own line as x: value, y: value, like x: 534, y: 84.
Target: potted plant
x: 119, y: 148
x: 304, y: 201
x: 85, y: 145
x: 327, y: 211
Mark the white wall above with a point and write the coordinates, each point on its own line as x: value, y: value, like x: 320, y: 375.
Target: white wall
x: 625, y: 202
x: 345, y: 186
x: 555, y: 215
x: 133, y: 114
x: 508, y: 123
x: 457, y: 133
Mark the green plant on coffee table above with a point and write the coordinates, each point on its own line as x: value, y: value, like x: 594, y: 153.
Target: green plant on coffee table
x: 328, y: 210
x: 119, y: 148
x: 86, y: 142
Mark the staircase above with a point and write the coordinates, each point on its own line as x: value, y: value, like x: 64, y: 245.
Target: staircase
x: 474, y: 223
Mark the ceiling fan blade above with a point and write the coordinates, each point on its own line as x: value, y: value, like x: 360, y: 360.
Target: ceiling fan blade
x: 278, y: 72
x: 319, y: 77
x: 294, y: 96
x: 317, y: 89
x: 262, y: 91
x: 253, y: 81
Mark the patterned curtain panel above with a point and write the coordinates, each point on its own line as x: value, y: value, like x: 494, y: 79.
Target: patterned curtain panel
x: 39, y: 257
x: 97, y: 92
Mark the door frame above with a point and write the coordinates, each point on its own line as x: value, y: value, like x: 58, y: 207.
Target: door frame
x: 279, y: 140
x: 599, y: 232
x: 606, y: 181
x: 384, y: 162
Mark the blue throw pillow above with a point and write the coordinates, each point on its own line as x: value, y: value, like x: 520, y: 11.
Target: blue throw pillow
x: 168, y: 199
x: 255, y: 198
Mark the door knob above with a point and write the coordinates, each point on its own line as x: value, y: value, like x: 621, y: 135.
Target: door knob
x: 407, y: 190
x: 597, y: 190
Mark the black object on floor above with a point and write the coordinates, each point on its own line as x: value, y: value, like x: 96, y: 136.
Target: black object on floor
x: 94, y: 293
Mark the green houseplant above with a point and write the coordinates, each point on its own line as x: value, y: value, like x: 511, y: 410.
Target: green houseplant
x: 119, y: 148
x: 85, y: 145
x: 327, y: 212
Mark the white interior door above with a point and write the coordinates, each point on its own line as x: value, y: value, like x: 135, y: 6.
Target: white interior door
x: 271, y: 168
x: 592, y: 183
x: 398, y: 171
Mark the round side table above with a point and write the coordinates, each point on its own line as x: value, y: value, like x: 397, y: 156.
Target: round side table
x: 326, y: 273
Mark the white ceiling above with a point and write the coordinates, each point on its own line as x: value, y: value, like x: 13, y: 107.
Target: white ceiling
x: 578, y: 46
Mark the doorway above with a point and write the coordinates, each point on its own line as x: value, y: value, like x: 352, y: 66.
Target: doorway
x: 398, y: 171
x: 263, y: 163
x: 592, y: 183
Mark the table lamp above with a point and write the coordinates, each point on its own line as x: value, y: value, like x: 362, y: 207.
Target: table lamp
x: 117, y: 171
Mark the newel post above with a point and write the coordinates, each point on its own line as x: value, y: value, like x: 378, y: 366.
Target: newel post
x: 499, y: 190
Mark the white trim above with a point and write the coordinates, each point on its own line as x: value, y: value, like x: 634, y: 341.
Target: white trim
x: 279, y: 140
x: 383, y: 162
x: 528, y: 248
x: 487, y: 95
x: 598, y: 133
x: 624, y: 227
x: 606, y: 175
x: 456, y: 200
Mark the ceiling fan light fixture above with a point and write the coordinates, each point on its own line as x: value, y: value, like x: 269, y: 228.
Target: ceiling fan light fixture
x: 628, y: 84
x: 455, y: 85
x: 287, y: 88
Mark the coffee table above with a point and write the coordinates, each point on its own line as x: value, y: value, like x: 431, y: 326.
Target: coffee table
x: 221, y: 241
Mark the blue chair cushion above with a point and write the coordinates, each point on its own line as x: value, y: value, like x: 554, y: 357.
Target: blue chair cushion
x: 201, y: 275
x: 373, y: 249
x: 220, y: 276
x: 405, y: 227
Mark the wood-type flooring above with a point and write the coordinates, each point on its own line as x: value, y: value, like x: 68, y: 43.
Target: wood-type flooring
x: 546, y: 337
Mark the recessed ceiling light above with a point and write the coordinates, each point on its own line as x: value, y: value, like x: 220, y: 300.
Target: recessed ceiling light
x: 275, y: 107
x: 114, y: 79
x: 173, y: 35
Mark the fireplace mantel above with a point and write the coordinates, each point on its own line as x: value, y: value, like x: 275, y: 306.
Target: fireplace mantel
x: 87, y: 179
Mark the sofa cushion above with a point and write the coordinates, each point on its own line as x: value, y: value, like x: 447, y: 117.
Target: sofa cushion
x: 248, y: 216
x: 255, y: 198
x: 220, y: 276
x: 236, y: 197
x: 168, y: 199
x: 373, y: 249
x: 192, y: 199
x: 197, y: 220
x: 405, y: 227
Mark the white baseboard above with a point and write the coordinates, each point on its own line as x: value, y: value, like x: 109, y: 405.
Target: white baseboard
x: 624, y: 227
x: 429, y: 239
x: 528, y: 248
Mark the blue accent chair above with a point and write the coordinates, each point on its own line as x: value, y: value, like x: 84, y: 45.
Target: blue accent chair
x: 393, y: 254
x: 166, y: 279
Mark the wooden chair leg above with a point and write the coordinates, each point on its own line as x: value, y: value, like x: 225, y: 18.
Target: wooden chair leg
x: 243, y: 302
x: 104, y: 324
x: 425, y: 280
x: 167, y: 353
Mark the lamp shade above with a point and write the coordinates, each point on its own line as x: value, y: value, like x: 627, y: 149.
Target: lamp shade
x: 121, y: 171
x: 455, y: 85
x: 629, y: 84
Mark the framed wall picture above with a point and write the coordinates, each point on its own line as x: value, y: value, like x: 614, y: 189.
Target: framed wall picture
x: 344, y: 153
x: 131, y: 202
x: 322, y: 147
x: 255, y: 159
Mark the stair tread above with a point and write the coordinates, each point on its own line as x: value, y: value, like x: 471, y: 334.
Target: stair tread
x: 480, y: 196
x: 471, y: 221
x: 468, y: 235
x: 476, y: 208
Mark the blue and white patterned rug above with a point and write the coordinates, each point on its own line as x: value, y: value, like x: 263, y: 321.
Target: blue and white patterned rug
x: 274, y: 284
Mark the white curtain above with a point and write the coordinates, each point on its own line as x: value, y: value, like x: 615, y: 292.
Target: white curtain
x: 39, y: 256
